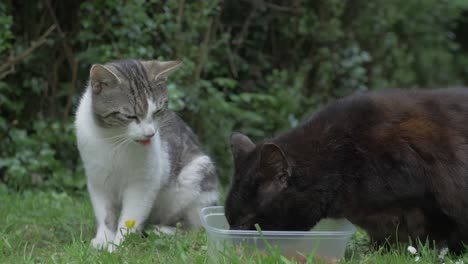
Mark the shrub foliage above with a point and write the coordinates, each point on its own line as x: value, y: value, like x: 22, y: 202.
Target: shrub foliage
x: 255, y: 66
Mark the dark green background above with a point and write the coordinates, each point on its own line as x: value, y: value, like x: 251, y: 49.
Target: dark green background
x: 253, y: 66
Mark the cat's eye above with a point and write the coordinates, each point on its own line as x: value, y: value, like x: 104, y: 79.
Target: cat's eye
x: 130, y: 116
x: 157, y: 112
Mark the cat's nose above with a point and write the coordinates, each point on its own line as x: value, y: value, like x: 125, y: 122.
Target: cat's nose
x: 149, y: 135
x: 148, y: 131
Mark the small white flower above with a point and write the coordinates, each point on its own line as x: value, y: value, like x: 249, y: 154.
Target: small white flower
x: 412, y: 250
x: 460, y: 261
x: 417, y: 258
x: 443, y: 252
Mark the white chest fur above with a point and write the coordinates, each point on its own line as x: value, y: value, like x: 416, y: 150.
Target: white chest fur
x: 114, y: 163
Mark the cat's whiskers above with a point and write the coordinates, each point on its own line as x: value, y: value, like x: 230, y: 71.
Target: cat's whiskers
x: 116, y: 141
x: 119, y: 144
x: 116, y: 147
x: 115, y: 150
x: 114, y: 138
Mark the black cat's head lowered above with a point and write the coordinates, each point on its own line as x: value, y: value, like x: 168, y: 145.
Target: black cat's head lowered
x: 263, y: 190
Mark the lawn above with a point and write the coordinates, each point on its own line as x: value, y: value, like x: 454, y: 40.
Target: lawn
x: 48, y: 227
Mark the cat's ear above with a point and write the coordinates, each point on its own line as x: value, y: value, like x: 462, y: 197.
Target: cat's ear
x: 241, y: 145
x: 160, y: 70
x: 102, y: 77
x: 274, y: 165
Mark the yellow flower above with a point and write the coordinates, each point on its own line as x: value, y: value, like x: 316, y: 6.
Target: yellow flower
x: 130, y: 224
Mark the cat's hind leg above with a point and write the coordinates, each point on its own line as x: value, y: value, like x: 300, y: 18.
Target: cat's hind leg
x: 458, y: 239
x: 450, y: 192
x: 167, y: 230
x: 193, y: 189
x: 192, y: 213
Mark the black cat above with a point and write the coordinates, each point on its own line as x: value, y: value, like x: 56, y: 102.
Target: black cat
x: 394, y: 163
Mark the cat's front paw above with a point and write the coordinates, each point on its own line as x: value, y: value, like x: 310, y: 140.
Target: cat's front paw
x: 111, y: 247
x: 103, y: 244
x: 116, y: 242
x: 99, y: 243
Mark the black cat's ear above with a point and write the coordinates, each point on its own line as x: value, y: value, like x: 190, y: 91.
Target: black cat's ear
x: 160, y: 70
x: 274, y: 165
x: 101, y: 77
x: 241, y: 145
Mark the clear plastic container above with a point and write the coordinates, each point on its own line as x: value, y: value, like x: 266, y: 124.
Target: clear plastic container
x: 327, y: 239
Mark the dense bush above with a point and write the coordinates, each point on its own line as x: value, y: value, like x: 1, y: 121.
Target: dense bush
x: 254, y: 66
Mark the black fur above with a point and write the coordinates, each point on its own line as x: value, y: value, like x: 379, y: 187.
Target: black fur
x: 394, y: 163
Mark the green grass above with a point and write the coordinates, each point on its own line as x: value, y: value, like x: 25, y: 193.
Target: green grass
x: 47, y: 227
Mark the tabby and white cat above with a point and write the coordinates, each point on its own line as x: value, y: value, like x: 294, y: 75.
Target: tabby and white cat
x: 142, y: 162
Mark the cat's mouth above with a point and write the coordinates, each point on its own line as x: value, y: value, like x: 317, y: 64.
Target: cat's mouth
x: 144, y: 142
